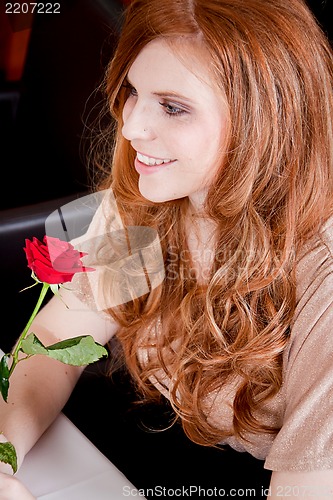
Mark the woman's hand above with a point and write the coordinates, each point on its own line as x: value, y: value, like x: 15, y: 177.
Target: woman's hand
x: 12, y: 489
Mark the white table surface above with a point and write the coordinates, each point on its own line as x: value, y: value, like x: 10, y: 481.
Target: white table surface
x: 65, y: 465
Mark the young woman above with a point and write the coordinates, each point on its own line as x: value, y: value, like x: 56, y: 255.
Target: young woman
x: 224, y: 146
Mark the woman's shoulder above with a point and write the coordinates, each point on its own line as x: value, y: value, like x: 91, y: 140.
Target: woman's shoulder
x: 326, y: 234
x: 313, y: 314
x: 315, y: 261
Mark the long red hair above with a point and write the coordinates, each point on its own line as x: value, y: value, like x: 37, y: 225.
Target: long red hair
x: 273, y: 65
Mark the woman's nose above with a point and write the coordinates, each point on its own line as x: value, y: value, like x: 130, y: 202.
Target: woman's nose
x: 138, y: 122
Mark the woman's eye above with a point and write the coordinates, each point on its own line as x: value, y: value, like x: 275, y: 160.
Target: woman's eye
x: 130, y: 90
x: 172, y: 110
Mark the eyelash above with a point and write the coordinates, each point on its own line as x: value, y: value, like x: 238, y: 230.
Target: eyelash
x: 130, y: 90
x: 170, y: 110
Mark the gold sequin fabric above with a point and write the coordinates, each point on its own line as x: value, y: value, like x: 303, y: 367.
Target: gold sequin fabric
x: 303, y: 408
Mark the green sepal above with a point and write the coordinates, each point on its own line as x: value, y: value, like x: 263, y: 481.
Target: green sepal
x: 54, y: 289
x: 76, y: 351
x: 8, y: 455
x: 4, y: 377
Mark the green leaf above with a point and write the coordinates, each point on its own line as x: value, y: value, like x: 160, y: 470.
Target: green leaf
x: 77, y: 351
x: 8, y: 455
x: 4, y: 377
x: 32, y: 345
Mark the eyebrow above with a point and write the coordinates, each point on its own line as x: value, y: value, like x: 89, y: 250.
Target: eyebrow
x: 168, y: 94
x: 173, y: 95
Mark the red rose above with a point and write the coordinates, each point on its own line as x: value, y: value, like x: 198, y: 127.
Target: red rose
x: 54, y: 261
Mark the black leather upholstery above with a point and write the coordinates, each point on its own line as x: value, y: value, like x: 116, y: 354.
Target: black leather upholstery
x: 16, y: 225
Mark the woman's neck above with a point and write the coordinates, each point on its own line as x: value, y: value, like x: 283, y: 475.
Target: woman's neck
x: 201, y: 241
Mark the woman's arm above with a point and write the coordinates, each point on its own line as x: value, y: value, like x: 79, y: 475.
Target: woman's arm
x: 40, y: 386
x: 12, y: 489
x: 313, y: 485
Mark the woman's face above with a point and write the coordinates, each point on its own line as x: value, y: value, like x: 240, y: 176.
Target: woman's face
x: 176, y: 122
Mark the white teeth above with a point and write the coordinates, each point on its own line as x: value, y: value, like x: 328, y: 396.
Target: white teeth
x: 147, y: 160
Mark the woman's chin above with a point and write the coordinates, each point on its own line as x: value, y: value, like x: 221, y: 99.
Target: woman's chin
x: 157, y: 195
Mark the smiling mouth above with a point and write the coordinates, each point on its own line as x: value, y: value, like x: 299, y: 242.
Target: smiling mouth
x: 151, y: 162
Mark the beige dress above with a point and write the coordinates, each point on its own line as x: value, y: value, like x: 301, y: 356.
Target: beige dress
x: 303, y: 408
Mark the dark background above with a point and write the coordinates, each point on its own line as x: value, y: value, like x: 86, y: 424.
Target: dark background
x: 42, y: 122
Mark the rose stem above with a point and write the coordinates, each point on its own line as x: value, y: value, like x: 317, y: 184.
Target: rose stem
x: 26, y: 329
